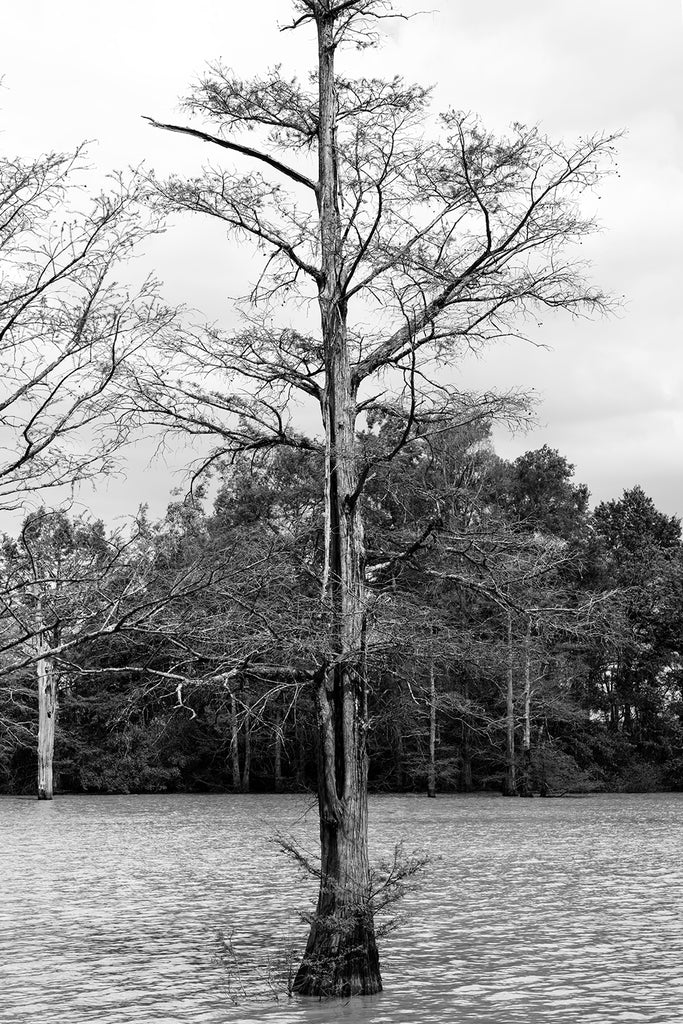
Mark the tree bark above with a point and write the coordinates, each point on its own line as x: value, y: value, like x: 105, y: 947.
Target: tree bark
x: 341, y: 957
x: 47, y: 715
x: 47, y: 709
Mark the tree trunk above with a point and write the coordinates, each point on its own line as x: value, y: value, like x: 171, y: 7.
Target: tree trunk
x: 341, y: 957
x: 235, y: 744
x: 246, y: 766
x: 277, y: 768
x: 613, y: 720
x: 465, y: 753
x: 47, y: 715
x: 465, y: 761
x: 399, y: 754
x: 526, y: 787
x: 510, y: 783
x: 47, y: 706
x: 431, y: 771
x: 299, y: 737
x: 626, y: 718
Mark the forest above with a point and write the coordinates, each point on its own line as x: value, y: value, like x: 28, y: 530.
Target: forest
x: 517, y: 642
x: 374, y: 602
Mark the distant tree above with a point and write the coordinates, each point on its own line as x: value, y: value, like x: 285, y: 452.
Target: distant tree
x: 442, y: 246
x: 49, y: 578
x: 632, y: 526
x: 638, y: 549
x: 537, y: 492
x: 545, y: 509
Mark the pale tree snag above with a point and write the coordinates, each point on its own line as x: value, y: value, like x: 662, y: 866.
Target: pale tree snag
x: 47, y: 714
x: 43, y: 641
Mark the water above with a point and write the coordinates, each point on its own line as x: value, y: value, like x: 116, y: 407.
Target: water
x: 179, y: 909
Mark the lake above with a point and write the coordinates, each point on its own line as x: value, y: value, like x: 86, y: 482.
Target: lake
x: 181, y: 909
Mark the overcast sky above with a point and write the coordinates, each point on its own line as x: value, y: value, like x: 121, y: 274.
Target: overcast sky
x: 610, y: 391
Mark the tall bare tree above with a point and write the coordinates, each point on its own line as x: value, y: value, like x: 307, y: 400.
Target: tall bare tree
x: 441, y: 246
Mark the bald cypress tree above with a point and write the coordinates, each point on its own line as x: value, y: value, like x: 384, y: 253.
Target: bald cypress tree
x: 414, y: 250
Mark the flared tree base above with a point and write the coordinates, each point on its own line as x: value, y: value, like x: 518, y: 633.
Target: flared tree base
x: 339, y: 969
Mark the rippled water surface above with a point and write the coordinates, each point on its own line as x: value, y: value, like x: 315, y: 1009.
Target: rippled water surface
x: 127, y: 910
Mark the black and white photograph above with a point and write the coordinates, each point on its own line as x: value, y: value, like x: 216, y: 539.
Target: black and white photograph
x: 341, y: 558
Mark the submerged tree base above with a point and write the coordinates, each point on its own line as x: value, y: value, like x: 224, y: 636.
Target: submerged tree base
x: 342, y: 972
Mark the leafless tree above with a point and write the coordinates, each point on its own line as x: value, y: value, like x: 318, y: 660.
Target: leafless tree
x: 414, y: 251
x: 66, y: 586
x: 67, y: 322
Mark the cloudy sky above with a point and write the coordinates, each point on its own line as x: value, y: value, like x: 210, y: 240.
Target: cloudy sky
x: 610, y: 391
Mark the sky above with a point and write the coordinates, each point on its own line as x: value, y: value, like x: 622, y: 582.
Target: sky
x: 609, y: 390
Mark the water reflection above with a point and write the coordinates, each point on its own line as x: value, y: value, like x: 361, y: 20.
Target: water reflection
x: 174, y: 908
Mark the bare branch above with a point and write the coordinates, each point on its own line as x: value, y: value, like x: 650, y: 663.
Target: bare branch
x: 235, y: 147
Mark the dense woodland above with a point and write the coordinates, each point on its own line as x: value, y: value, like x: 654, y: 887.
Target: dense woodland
x: 517, y: 641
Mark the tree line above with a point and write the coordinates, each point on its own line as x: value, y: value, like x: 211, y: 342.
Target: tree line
x: 517, y: 640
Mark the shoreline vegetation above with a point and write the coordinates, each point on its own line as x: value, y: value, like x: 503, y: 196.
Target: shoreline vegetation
x: 578, y: 689
x: 201, y: 685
